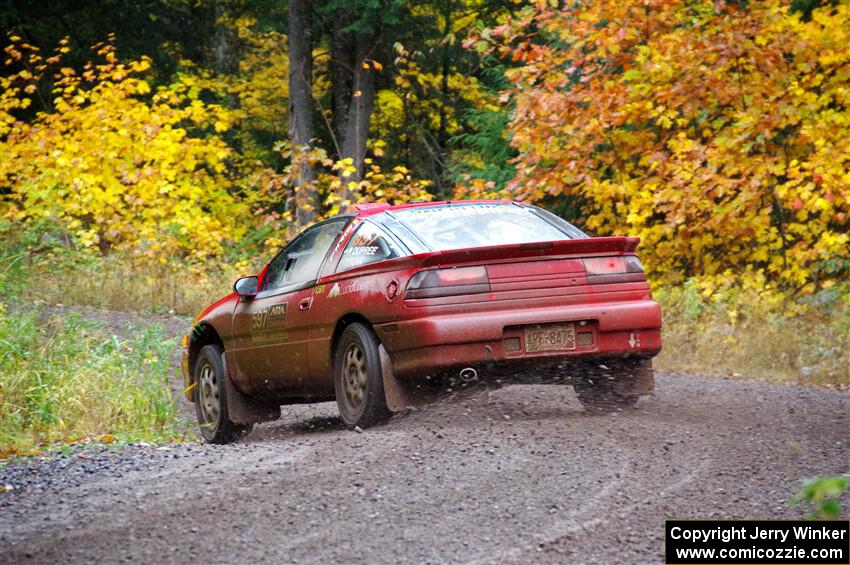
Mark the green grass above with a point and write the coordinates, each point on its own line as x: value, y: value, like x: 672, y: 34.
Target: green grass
x: 64, y: 379
x: 119, y: 283
x: 823, y: 495
x: 39, y: 266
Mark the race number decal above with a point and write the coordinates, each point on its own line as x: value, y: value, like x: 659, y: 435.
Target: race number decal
x: 262, y: 319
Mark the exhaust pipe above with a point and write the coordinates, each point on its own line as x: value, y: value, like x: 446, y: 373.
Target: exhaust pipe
x: 468, y: 374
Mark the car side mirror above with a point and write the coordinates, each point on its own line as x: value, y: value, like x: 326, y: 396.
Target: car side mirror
x: 246, y: 287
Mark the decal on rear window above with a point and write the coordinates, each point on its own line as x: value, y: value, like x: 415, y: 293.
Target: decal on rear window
x: 344, y: 235
x: 460, y: 211
x: 368, y: 245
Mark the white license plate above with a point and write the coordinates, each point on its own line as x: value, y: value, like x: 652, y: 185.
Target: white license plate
x: 553, y: 337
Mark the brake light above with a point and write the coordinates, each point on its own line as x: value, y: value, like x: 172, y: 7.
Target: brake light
x: 604, y: 265
x: 612, y: 265
x: 448, y: 282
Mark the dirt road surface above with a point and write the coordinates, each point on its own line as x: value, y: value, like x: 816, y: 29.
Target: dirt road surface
x: 518, y: 475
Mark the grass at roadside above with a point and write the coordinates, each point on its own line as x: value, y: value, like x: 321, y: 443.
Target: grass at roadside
x: 65, y: 378
x: 758, y: 335
x: 41, y: 265
x: 118, y: 283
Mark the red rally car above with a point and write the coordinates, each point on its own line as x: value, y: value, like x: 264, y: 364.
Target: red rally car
x: 373, y: 308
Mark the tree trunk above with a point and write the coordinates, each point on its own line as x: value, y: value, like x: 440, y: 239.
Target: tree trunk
x: 226, y: 55
x: 341, y: 65
x: 356, y: 130
x: 300, y: 109
x: 442, y: 132
x: 225, y: 44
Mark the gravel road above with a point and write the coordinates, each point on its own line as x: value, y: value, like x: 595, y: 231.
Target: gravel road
x: 517, y: 475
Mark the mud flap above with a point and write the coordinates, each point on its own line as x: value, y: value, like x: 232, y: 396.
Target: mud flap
x: 244, y: 409
x: 640, y: 381
x: 401, y: 394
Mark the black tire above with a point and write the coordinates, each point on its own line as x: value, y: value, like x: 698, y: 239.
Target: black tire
x: 211, y: 400
x: 358, y: 379
x: 608, y: 388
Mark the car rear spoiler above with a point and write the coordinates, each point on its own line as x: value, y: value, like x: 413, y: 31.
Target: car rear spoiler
x: 574, y: 247
x: 586, y: 247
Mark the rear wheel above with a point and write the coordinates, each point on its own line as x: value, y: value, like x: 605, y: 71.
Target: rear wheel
x: 609, y: 387
x: 211, y: 401
x: 358, y: 380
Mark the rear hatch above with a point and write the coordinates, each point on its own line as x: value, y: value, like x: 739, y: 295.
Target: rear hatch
x: 582, y: 296
x: 519, y: 281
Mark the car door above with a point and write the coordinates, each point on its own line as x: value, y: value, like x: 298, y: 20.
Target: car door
x: 270, y: 329
x: 338, y: 294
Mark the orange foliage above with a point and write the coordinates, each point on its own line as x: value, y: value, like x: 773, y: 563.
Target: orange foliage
x: 718, y: 132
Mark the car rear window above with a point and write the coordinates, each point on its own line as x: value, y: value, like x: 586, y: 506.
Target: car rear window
x: 455, y: 226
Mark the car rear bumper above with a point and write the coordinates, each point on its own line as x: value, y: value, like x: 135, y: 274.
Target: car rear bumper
x: 435, y: 342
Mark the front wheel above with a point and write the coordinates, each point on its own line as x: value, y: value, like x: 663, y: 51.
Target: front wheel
x: 358, y: 379
x: 211, y: 401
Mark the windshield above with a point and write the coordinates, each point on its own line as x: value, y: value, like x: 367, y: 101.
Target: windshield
x: 455, y: 226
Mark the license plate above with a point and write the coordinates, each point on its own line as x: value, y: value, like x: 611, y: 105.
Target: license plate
x: 555, y: 337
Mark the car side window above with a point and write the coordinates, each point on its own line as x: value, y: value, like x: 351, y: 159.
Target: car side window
x: 369, y: 244
x: 299, y: 263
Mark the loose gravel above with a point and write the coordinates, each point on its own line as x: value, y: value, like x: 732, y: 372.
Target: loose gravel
x: 518, y: 475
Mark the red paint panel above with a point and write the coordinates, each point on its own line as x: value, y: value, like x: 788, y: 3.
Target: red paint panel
x: 427, y: 360
x: 485, y: 326
x: 535, y: 269
x: 527, y: 298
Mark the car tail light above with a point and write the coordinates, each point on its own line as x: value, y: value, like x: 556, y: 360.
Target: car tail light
x: 448, y: 282
x: 612, y: 265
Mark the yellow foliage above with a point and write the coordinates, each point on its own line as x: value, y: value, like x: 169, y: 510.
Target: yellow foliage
x: 114, y: 164
x: 415, y: 98
x: 256, y: 95
x: 336, y: 187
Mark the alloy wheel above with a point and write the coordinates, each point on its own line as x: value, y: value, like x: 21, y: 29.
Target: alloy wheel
x: 210, y: 399
x: 354, y: 371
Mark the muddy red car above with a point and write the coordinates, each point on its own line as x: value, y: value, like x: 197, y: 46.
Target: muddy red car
x: 376, y: 309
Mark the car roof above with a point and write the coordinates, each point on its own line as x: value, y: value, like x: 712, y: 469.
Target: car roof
x: 370, y: 209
